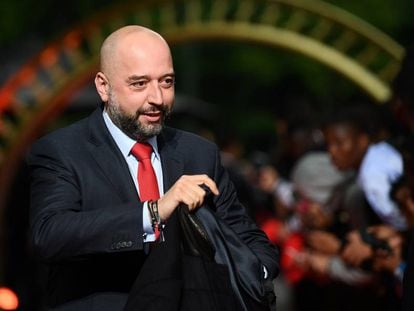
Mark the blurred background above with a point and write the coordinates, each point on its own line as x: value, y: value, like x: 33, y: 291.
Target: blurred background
x: 249, y: 74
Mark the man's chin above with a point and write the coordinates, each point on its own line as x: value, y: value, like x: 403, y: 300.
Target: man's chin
x: 152, y: 126
x: 151, y: 130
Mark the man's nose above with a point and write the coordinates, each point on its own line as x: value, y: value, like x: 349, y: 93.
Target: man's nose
x: 155, y: 94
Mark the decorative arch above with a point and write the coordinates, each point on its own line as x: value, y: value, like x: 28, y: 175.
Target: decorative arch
x: 318, y: 30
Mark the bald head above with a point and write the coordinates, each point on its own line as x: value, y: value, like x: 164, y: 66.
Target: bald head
x: 136, y: 81
x: 123, y: 40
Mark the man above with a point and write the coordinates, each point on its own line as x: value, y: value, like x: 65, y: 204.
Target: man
x: 402, y: 104
x: 89, y: 219
x: 352, y: 142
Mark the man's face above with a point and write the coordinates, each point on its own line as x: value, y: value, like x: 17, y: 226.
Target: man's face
x: 346, y: 146
x: 141, y: 88
x: 131, y: 124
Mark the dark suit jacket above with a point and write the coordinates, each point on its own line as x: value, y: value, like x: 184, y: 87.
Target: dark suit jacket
x: 86, y: 217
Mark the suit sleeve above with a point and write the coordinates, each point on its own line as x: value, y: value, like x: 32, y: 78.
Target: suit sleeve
x: 65, y: 225
x: 235, y: 215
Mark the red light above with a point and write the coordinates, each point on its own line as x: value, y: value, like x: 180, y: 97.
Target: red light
x: 8, y: 299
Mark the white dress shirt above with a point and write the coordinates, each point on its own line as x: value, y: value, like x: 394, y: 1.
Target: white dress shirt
x: 381, y: 166
x: 125, y: 144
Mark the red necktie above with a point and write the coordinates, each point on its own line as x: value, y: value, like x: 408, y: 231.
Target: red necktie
x: 147, y: 181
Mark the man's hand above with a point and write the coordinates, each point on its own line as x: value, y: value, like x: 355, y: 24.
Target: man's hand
x: 383, y: 232
x: 186, y: 190
x: 356, y: 250
x: 385, y: 260
x: 323, y: 242
x: 319, y: 263
x: 389, y: 261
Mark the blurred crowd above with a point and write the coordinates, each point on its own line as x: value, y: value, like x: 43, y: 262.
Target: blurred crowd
x: 337, y: 199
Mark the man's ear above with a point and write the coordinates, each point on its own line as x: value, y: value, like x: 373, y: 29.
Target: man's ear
x: 102, y: 86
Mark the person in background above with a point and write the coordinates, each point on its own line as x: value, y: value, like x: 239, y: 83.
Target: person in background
x: 94, y: 219
x: 354, y: 144
x: 402, y: 105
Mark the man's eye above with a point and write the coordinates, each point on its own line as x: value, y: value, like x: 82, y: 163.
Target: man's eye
x: 139, y: 84
x: 168, y: 82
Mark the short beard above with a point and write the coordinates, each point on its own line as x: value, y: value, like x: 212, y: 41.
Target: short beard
x: 130, y: 125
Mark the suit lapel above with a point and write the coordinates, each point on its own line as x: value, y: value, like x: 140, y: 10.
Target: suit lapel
x: 171, y: 158
x: 109, y: 158
x: 113, y: 165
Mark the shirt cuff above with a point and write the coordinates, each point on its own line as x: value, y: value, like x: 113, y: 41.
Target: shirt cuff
x: 148, y: 235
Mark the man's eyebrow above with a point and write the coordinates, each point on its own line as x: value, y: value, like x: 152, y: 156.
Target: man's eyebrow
x: 172, y: 75
x: 134, y: 78
x: 168, y: 75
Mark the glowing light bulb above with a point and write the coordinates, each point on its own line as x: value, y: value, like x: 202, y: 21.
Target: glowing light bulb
x: 8, y: 299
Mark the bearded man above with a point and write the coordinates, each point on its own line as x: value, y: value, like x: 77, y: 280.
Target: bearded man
x: 95, y: 212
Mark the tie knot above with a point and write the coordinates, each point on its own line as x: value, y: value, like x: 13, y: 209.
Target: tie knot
x: 142, y: 151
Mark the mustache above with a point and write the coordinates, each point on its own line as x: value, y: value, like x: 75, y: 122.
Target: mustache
x: 164, y: 109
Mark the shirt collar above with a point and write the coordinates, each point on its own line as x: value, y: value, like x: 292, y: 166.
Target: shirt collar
x: 124, y: 142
